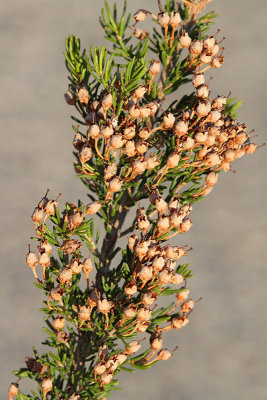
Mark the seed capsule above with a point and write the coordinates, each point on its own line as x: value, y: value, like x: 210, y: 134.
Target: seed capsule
x: 168, y: 121
x: 152, y: 162
x: 156, y: 343
x: 130, y: 289
x: 129, y: 312
x: 70, y: 246
x: 107, y: 132
x: 176, y: 279
x: 87, y: 267
x: 163, y: 224
x: 161, y: 205
x: 94, y: 131
x: 129, y: 132
x: 250, y: 148
x: 182, y: 295
x: 104, y: 306
x: 158, y: 263
x: 148, y: 299
x: 164, y: 277
x: 144, y: 314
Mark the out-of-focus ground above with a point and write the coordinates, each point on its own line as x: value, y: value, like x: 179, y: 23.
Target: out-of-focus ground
x: 223, y: 352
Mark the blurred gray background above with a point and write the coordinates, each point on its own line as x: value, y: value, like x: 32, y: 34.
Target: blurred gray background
x: 223, y: 351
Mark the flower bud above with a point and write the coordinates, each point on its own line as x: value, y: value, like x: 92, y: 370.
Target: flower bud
x: 215, y: 50
x: 175, y: 19
x: 139, y: 166
x: 180, y: 128
x: 59, y: 323
x: 203, y: 109
x: 148, y: 299
x: 129, y: 132
x: 209, y: 43
x: 116, y: 141
x: 65, y: 275
x: 44, y: 260
x: 174, y: 252
x: 158, y: 263
x: 185, y: 40
x: 196, y: 47
x: 186, y: 225
x: 163, y: 19
x: 13, y: 390
x: 115, y: 184
x: 104, y: 306
x: 70, y: 246
x: 203, y: 92
x: 217, y: 62
x: 37, y: 215
x: 182, y: 295
x: 176, y: 279
x: 84, y: 313
x: 173, y: 160
x: 85, y: 154
x: 139, y: 92
x: 144, y: 314
x: 106, y: 378
x: 201, y: 137
x: 134, y: 112
x: 144, y: 112
x: 144, y: 133
x: 250, y: 148
x: 152, y: 162
x: 139, y: 34
x: 205, y: 59
x: 198, y: 80
x: 87, y: 267
x: 176, y: 219
x: 140, y: 15
x: 83, y: 96
x: 70, y: 98
x: 130, y: 289
x: 31, y: 260
x: 132, y: 347
x: 129, y: 312
x: 121, y: 358
x: 229, y: 155
x: 164, y: 277
x: 76, y: 266
x: 168, y: 121
x: 212, y: 159
x: 156, y: 343
x: 154, y: 68
x: 145, y: 274
x: 56, y: 294
x: 107, y: 101
x: 107, y: 132
x: 94, y: 131
x: 163, y: 224
x: 161, y: 205
x: 187, y: 306
x: 164, y: 355
x: 93, y: 208
x: 143, y: 223
x: 211, y: 179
